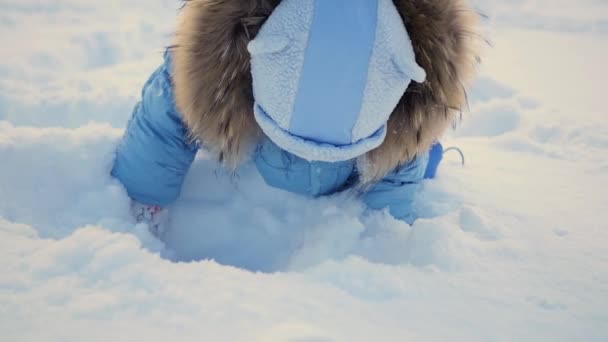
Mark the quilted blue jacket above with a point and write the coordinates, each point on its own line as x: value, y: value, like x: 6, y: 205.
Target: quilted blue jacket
x: 155, y: 155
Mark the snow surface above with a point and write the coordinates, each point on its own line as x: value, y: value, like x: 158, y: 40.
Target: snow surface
x: 510, y: 247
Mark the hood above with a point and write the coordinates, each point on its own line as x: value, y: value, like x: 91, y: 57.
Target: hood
x: 328, y: 74
x: 435, y: 45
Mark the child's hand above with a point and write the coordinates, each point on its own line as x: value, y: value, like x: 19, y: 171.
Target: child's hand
x: 156, y: 217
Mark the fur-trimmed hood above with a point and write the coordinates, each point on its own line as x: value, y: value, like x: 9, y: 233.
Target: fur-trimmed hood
x: 213, y: 82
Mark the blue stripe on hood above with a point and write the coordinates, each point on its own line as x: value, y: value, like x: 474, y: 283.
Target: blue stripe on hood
x: 335, y: 71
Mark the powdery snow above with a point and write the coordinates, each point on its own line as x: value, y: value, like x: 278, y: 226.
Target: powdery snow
x: 510, y: 247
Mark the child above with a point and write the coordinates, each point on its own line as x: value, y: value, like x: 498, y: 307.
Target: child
x: 323, y: 95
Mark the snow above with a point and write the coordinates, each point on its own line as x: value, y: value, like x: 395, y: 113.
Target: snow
x: 510, y: 247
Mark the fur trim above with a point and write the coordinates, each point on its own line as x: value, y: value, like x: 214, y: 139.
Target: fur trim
x: 213, y: 80
x: 212, y: 76
x: 445, y: 36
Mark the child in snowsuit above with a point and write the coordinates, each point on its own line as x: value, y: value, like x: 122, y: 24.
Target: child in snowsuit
x: 323, y: 96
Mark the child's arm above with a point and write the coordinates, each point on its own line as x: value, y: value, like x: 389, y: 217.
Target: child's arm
x: 154, y: 155
x: 398, y: 189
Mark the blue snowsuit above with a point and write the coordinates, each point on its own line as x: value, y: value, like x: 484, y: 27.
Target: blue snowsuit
x: 324, y: 85
x: 154, y: 156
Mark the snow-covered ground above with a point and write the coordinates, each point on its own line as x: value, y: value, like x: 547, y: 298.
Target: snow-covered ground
x: 512, y: 247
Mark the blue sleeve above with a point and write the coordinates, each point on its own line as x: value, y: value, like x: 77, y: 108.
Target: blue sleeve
x: 154, y: 156
x: 398, y: 189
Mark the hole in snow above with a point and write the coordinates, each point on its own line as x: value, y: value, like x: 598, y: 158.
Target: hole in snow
x: 250, y: 225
